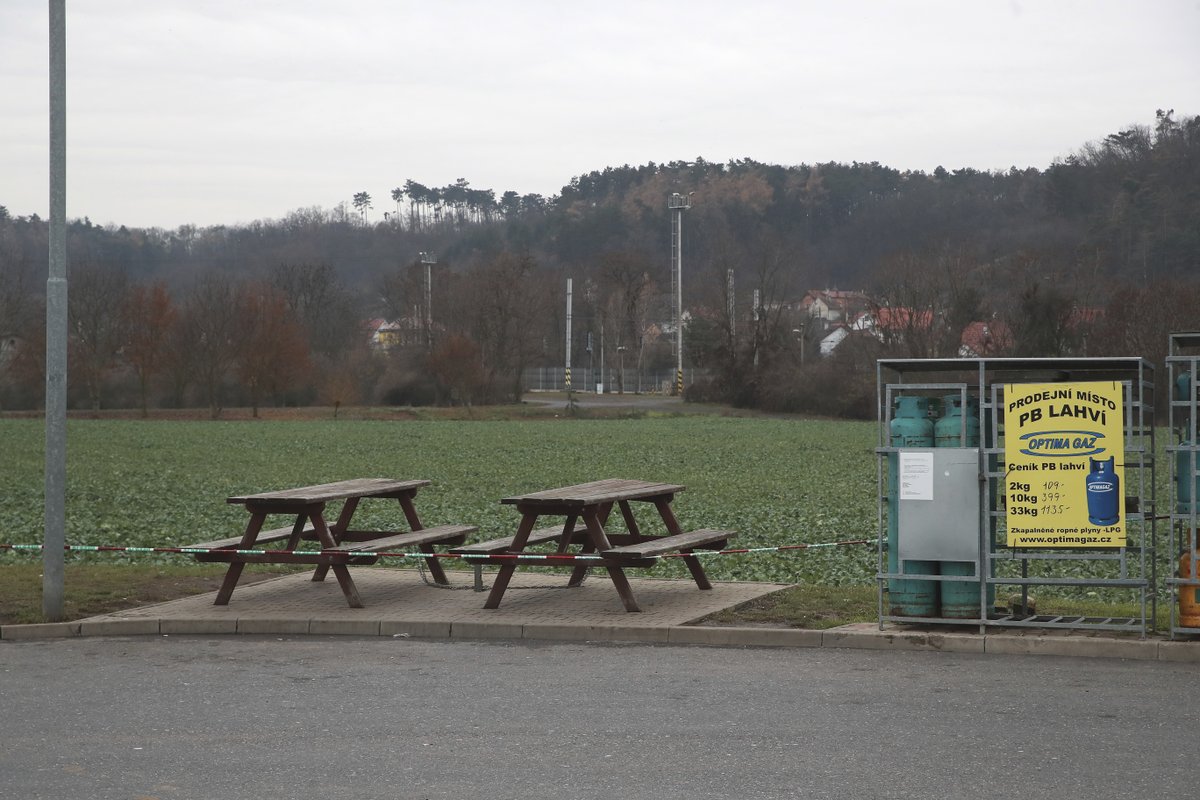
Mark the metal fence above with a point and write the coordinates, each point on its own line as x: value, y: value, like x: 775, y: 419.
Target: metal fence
x: 553, y: 379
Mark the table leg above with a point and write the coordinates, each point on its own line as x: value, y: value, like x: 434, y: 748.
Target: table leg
x: 630, y: 521
x: 435, y: 568
x: 623, y: 588
x: 668, y: 516
x: 297, y: 531
x: 340, y: 571
x: 580, y: 571
x: 414, y: 524
x: 697, y: 570
x: 234, y: 572
x: 673, y: 527
x: 599, y: 540
x: 410, y: 511
x: 564, y: 544
x: 339, y: 528
x: 504, y: 575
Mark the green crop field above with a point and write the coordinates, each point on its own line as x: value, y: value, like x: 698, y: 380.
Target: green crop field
x: 160, y: 483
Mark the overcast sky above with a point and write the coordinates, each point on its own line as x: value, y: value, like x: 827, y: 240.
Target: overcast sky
x: 225, y: 111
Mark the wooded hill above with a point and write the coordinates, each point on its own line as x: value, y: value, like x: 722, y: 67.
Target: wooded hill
x: 1108, y: 233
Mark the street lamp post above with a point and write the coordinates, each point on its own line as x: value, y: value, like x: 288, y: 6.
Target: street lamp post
x: 678, y: 203
x: 620, y: 369
x: 428, y: 259
x: 55, y: 506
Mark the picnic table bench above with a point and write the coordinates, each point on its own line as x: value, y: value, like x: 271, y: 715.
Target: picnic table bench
x: 592, y: 504
x: 341, y: 546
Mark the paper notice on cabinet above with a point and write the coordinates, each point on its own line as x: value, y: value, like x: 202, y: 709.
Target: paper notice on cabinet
x: 916, y: 476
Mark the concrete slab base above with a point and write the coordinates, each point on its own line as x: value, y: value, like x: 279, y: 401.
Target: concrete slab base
x: 538, y: 605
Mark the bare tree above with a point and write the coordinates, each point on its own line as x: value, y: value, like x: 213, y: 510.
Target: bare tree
x: 208, y: 327
x: 149, y: 316
x: 626, y: 285
x: 272, y: 355
x: 321, y: 305
x: 97, y: 326
x: 924, y: 300
x: 508, y: 304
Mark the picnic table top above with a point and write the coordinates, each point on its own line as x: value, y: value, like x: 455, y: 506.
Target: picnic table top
x: 596, y: 492
x: 340, y: 490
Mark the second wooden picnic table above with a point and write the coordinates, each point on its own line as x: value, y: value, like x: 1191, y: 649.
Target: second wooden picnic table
x: 586, y: 508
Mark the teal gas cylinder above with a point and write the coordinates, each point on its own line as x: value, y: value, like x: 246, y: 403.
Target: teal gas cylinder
x: 1183, y: 386
x: 960, y: 599
x: 910, y: 427
x: 947, y: 431
x: 1187, y: 478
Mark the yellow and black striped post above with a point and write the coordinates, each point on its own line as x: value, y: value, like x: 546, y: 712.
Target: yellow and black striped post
x: 679, y: 382
x: 568, y: 379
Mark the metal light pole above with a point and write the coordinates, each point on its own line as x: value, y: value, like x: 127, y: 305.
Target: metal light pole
x: 729, y: 297
x: 568, y: 365
x: 678, y: 203
x: 601, y: 382
x: 799, y: 334
x: 428, y: 260
x: 56, y: 327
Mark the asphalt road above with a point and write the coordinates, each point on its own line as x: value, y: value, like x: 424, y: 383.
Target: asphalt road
x: 244, y: 717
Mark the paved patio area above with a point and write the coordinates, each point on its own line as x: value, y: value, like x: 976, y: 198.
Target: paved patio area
x: 399, y: 601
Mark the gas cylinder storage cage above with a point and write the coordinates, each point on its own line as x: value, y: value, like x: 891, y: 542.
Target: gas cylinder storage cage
x: 1015, y: 491
x: 1183, y: 360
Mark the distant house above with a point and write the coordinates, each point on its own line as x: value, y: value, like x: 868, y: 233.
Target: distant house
x: 889, y: 323
x: 829, y: 342
x: 833, y: 305
x: 985, y: 340
x: 406, y: 332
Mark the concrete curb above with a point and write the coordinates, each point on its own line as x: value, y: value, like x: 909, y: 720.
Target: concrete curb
x: 40, y: 630
x: 858, y: 637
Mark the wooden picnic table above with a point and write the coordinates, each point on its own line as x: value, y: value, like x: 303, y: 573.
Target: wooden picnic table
x: 340, y: 545
x: 586, y: 509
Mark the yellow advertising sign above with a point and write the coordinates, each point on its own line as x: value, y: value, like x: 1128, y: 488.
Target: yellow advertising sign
x: 1064, y: 447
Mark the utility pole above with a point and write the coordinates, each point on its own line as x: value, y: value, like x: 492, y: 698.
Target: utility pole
x: 600, y: 383
x: 56, y: 327
x: 591, y: 359
x: 678, y: 203
x: 730, y: 304
x: 568, y: 367
x: 755, y: 340
x: 428, y: 260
